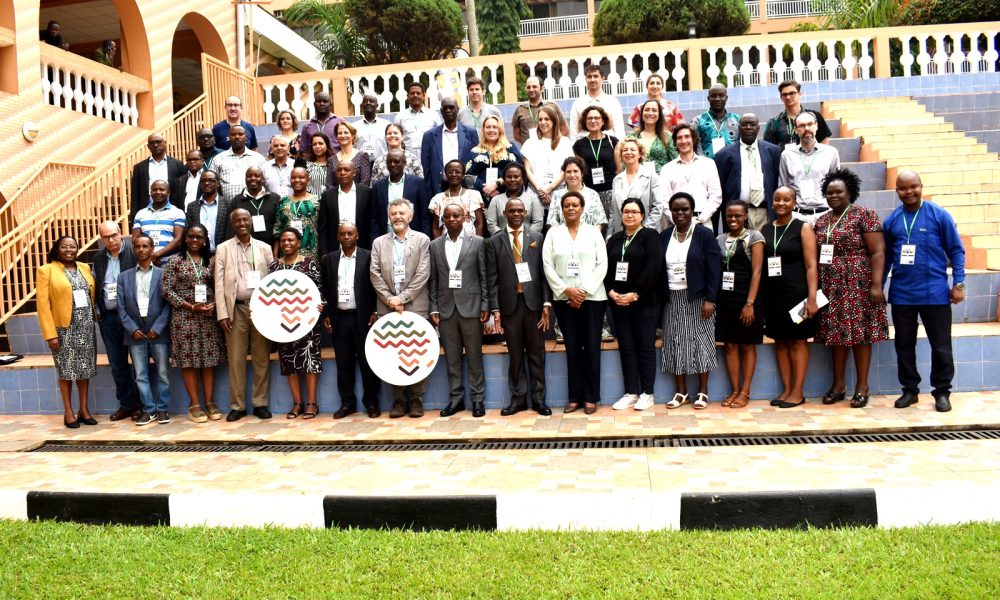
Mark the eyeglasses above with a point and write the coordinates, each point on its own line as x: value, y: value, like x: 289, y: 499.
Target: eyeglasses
x: 595, y: 118
x: 228, y: 104
x: 789, y: 94
x: 632, y: 212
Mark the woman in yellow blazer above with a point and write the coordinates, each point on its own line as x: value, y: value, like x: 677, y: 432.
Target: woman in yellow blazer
x: 65, y: 301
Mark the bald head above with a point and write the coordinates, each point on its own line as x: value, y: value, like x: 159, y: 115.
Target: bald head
x: 909, y: 189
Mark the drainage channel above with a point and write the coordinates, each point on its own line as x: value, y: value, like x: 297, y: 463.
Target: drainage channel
x: 624, y: 443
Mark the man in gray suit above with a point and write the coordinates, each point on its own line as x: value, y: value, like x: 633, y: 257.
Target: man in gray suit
x: 521, y: 302
x: 458, y: 307
x: 401, y: 268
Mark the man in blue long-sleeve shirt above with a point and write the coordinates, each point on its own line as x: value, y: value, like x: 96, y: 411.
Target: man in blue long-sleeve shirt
x: 922, y: 240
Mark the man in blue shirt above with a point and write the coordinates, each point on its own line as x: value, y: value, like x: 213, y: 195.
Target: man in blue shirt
x: 922, y: 239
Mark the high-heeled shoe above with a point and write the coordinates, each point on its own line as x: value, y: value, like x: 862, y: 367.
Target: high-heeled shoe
x: 87, y: 421
x: 832, y: 397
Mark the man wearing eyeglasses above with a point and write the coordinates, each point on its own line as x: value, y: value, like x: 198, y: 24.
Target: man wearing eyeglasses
x: 234, y: 116
x: 781, y: 129
x: 159, y: 165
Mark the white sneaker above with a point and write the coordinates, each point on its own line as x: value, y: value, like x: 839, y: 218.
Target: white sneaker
x: 645, y: 402
x: 625, y: 402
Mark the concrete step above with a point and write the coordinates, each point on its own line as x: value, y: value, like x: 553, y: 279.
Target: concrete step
x: 951, y: 103
x: 959, y: 188
x: 872, y: 174
x: 991, y: 138
x: 961, y: 177
x: 985, y: 228
x: 970, y: 149
x: 876, y: 129
x: 879, y: 200
x: 974, y: 120
x: 958, y: 161
x: 849, y: 148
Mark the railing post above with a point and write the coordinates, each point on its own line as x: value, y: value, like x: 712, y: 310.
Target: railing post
x: 509, y: 80
x: 883, y: 66
x: 694, y: 71
x: 338, y: 91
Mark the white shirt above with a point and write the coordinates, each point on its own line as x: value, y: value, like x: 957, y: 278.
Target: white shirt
x: 677, y: 254
x: 470, y: 199
x: 371, y: 136
x: 588, y: 248
x: 345, y: 279
x: 347, y: 204
x: 700, y: 178
x: 452, y: 248
x: 449, y: 144
x: 415, y: 124
x: 191, y: 187
x: 277, y: 178
x: 749, y: 172
x: 545, y: 162
x: 609, y: 103
x: 158, y: 171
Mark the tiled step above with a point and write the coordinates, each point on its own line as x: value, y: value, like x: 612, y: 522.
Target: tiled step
x: 951, y: 103
x: 872, y: 174
x: 958, y: 148
x: 991, y: 138
x: 988, y: 120
x: 849, y: 148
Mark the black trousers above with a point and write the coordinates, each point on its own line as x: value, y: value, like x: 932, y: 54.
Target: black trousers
x: 581, y: 329
x: 937, y: 322
x: 635, y: 330
x: 524, y: 340
x: 349, y: 344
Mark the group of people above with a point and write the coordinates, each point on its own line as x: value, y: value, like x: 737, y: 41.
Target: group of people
x: 706, y: 231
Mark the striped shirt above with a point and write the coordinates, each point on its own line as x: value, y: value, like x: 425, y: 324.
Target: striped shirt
x: 159, y: 224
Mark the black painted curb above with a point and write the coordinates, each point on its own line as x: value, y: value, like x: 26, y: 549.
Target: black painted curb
x: 780, y: 510
x: 99, y: 508
x: 418, y: 513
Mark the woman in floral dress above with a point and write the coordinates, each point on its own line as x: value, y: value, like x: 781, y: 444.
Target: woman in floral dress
x: 300, y: 212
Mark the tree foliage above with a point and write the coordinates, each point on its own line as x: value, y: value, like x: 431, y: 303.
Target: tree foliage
x: 860, y: 14
x: 633, y: 21
x: 935, y: 12
x: 407, y: 30
x: 499, y: 25
x: 331, y: 31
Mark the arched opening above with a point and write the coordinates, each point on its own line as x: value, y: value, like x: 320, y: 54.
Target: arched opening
x: 194, y: 34
x: 8, y: 53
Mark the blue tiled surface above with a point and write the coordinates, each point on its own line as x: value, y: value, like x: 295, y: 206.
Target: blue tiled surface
x: 30, y: 391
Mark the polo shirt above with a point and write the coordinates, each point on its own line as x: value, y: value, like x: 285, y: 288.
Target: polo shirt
x: 159, y: 224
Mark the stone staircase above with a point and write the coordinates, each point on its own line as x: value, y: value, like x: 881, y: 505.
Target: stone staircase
x: 958, y: 171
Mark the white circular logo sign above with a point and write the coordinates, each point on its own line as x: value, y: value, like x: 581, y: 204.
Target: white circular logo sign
x: 402, y: 348
x: 285, y: 306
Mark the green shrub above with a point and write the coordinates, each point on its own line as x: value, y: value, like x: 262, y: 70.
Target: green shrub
x: 633, y: 21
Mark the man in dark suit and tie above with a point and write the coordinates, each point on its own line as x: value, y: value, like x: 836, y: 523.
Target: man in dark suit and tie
x: 346, y: 202
x: 210, y: 210
x: 748, y: 171
x: 350, y: 312
x: 458, y: 307
x: 450, y: 141
x: 399, y: 185
x: 145, y: 319
x: 157, y: 166
x: 521, y: 303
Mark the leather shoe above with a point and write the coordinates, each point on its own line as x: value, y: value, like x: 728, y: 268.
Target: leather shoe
x: 120, y: 414
x: 342, y: 412
x: 399, y: 409
x: 136, y: 413
x: 235, y: 415
x: 906, y: 400
x: 589, y: 408
x: 416, y: 408
x: 374, y: 412
x: 261, y: 412
x: 512, y: 409
x: 478, y: 409
x: 942, y: 403
x: 571, y: 407
x: 452, y: 408
x: 542, y: 409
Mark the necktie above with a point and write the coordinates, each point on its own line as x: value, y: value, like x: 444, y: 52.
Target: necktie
x: 517, y: 255
x: 756, y: 195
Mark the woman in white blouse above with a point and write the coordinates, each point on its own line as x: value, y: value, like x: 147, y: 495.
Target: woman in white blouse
x: 635, y: 181
x: 693, y: 174
x: 575, y: 261
x: 544, y: 155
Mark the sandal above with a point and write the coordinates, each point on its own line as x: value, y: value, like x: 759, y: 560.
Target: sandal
x: 702, y: 402
x: 678, y: 400
x: 859, y: 401
x: 311, y: 412
x: 728, y: 402
x: 832, y: 397
x: 295, y: 412
x: 740, y: 401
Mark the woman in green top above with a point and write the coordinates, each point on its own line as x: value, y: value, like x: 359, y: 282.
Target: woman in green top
x: 300, y: 212
x: 655, y: 135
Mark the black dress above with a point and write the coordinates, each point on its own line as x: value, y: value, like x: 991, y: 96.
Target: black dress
x: 728, y: 326
x: 780, y: 294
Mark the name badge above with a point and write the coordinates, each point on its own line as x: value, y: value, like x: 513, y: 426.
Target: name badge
x: 807, y: 189
x: 111, y: 291
x: 492, y: 174
x: 296, y: 224
x: 143, y: 307
x: 826, y: 254
x: 597, y: 175
x: 573, y: 267
x: 621, y: 271
x: 908, y: 254
x: 253, y: 279
x: 155, y: 236
x: 81, y: 298
x: 523, y: 272
x: 200, y: 292
x: 774, y: 266
x: 398, y: 273
x: 678, y: 273
x: 728, y: 280
x: 258, y: 223
x: 455, y: 279
x: 343, y: 294
x: 718, y: 144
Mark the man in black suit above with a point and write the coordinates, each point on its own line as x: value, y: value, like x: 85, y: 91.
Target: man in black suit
x: 350, y: 312
x: 208, y: 207
x: 345, y: 202
x: 458, y: 307
x: 521, y: 303
x: 158, y: 166
x: 445, y: 143
x: 187, y: 187
x: 260, y: 203
x: 748, y: 171
x: 399, y: 185
x: 116, y: 257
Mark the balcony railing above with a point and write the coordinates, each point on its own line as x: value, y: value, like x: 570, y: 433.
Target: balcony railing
x: 753, y: 7
x: 79, y: 84
x: 554, y: 26
x: 783, y: 9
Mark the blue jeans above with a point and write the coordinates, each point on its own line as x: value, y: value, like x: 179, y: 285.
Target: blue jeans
x: 140, y: 361
x: 113, y: 333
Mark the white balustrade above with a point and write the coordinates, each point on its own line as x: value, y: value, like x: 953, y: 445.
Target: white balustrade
x: 769, y: 63
x: 554, y: 26
x: 939, y: 54
x: 753, y: 7
x: 75, y: 83
x: 624, y: 73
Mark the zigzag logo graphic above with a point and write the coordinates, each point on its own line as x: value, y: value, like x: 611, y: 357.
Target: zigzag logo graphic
x: 410, y: 372
x: 283, y: 291
x: 401, y: 343
x: 272, y: 301
x: 277, y: 282
x: 412, y: 352
x: 399, y: 324
x: 409, y: 363
x: 290, y: 329
x: 399, y: 334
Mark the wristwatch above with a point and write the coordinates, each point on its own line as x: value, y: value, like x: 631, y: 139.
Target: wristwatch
x: 960, y: 286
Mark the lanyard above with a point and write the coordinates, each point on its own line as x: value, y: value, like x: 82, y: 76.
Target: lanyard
x: 534, y: 115
x: 285, y: 266
x: 628, y: 241
x: 731, y: 246
x: 909, y: 228
x: 346, y: 262
x: 687, y: 169
x: 718, y: 128
x: 831, y: 228
x: 143, y: 276
x: 598, y: 151
x: 196, y: 266
x: 115, y: 266
x: 777, y: 239
x: 807, y: 167
x: 257, y: 207
x: 252, y: 261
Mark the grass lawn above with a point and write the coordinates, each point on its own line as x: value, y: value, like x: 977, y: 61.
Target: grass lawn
x: 51, y: 560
